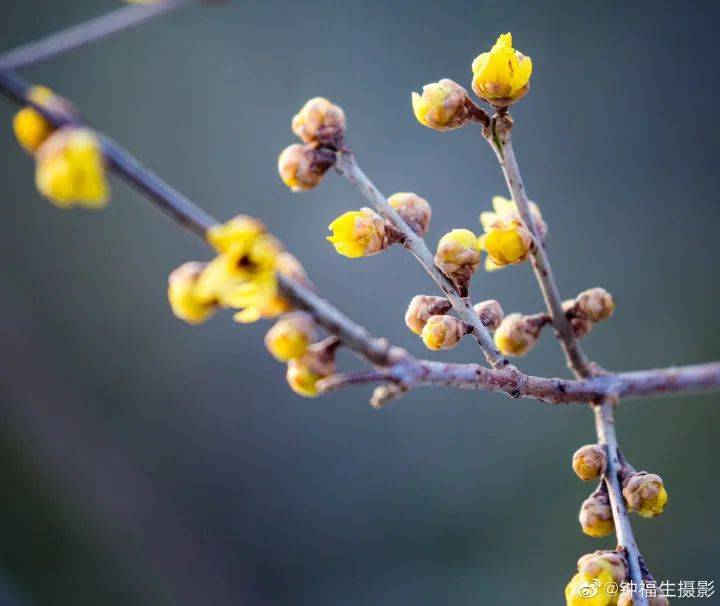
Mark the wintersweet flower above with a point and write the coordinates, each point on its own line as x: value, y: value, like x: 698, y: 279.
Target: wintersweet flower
x: 596, y: 515
x: 598, y: 579
x: 241, y: 229
x: 458, y: 255
x: 507, y: 242
x: 442, y: 105
x: 304, y: 373
x: 442, y: 332
x: 516, y: 335
x: 359, y: 233
x: 589, y: 462
x: 30, y: 127
x: 502, y: 75
x: 645, y: 493
x: 290, y: 336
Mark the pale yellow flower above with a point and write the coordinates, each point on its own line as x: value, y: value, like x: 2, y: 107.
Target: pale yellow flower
x: 502, y: 75
x: 358, y: 233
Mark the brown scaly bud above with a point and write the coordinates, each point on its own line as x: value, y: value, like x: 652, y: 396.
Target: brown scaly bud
x: 458, y: 255
x: 645, y: 493
x: 443, y: 105
x: 589, y: 462
x: 626, y: 598
x: 612, y: 561
x: 320, y: 121
x: 414, y: 210
x: 518, y: 334
x: 302, y: 167
x: 596, y: 304
x: 490, y: 312
x: 580, y: 324
x: 596, y: 515
x: 421, y: 308
x: 443, y: 332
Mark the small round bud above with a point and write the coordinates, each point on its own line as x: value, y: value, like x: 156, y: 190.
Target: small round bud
x: 302, y: 167
x: 626, y: 598
x: 491, y: 313
x: 596, y: 515
x: 70, y: 169
x: 30, y: 127
x: 597, y: 580
x: 458, y: 255
x: 442, y: 332
x: 589, y: 462
x: 645, y: 493
x: 183, y: 294
x: 320, y: 121
x: 604, y: 559
x: 507, y: 242
x: 414, y: 210
x: 421, y: 308
x: 304, y: 373
x: 290, y: 336
x: 359, y: 233
x: 502, y: 75
x: 596, y: 304
x: 516, y: 335
x: 441, y: 106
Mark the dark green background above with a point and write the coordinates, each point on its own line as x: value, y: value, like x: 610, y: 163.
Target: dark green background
x: 146, y: 462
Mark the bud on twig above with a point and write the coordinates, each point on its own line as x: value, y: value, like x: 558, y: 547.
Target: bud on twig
x: 589, y: 462
x: 290, y: 336
x: 421, y: 308
x: 443, y: 332
x: 507, y: 242
x: 597, y: 580
x: 442, y: 105
x: 490, y: 312
x: 458, y: 255
x: 645, y: 493
x: 185, y: 300
x: 596, y: 515
x: 302, y: 167
x: 518, y: 334
x: 596, y: 304
x: 320, y: 121
x: 414, y: 210
x: 318, y: 363
x: 360, y: 233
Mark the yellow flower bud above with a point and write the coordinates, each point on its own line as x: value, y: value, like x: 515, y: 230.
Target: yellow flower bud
x: 183, y: 294
x: 502, y: 75
x: 596, y: 304
x: 414, y: 210
x: 359, y: 233
x: 441, y: 106
x: 507, y: 242
x: 516, y: 335
x: 458, y: 255
x: 240, y: 229
x: 421, y: 308
x: 302, y: 167
x: 290, y: 336
x: 589, y: 462
x: 442, y: 332
x: 70, y: 169
x: 490, y: 312
x: 304, y: 373
x: 29, y: 126
x: 320, y: 121
x: 597, y: 582
x: 645, y: 493
x: 506, y: 210
x: 596, y: 515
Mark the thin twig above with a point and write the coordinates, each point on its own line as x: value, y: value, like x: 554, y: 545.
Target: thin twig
x: 86, y: 33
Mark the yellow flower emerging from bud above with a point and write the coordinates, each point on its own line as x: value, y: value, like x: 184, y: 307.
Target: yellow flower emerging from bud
x: 359, y: 233
x: 421, y: 308
x: 507, y: 242
x: 458, y: 255
x: 501, y: 76
x: 183, y: 295
x: 290, y: 336
x: 596, y: 515
x: 490, y: 312
x: 30, y: 128
x: 70, y: 169
x: 442, y: 332
x: 596, y: 304
x: 441, y: 106
x: 304, y: 373
x: 597, y: 580
x: 414, y: 210
x: 589, y: 462
x: 320, y: 121
x: 240, y: 229
x: 645, y: 493
x: 302, y: 167
x: 516, y: 335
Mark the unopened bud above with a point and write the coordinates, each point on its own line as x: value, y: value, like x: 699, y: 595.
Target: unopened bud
x: 302, y: 167
x: 185, y: 300
x: 414, y: 210
x: 645, y: 493
x: 290, y: 336
x: 516, y: 335
x: 320, y: 121
x: 421, y: 308
x: 589, y: 462
x: 304, y: 373
x: 596, y: 304
x: 458, y: 255
x: 441, y: 106
x: 491, y: 313
x: 612, y: 561
x: 596, y: 515
x: 597, y: 580
x: 359, y: 233
x: 442, y: 332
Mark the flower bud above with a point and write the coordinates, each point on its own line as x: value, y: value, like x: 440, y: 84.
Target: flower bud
x: 491, y: 314
x: 290, y: 336
x: 596, y: 304
x: 626, y: 598
x: 441, y: 106
x: 70, y: 169
x: 645, y: 493
x: 320, y: 121
x: 421, y: 308
x: 597, y: 582
x: 183, y: 294
x: 596, y: 515
x: 502, y: 75
x: 359, y: 233
x: 458, y: 255
x: 603, y: 559
x: 30, y: 127
x: 442, y: 332
x: 302, y: 167
x: 304, y: 373
x: 414, y: 210
x: 580, y: 324
x: 516, y: 335
x: 507, y: 242
x: 589, y: 462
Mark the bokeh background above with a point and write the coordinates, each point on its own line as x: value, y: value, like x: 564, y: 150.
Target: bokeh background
x: 148, y: 462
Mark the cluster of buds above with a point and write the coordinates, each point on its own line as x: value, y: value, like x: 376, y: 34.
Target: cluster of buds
x: 518, y: 334
x: 598, y: 579
x: 320, y: 125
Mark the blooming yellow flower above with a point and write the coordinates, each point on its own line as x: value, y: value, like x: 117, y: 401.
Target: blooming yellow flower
x: 183, y: 294
x: 441, y: 106
x: 502, y: 75
x: 358, y: 233
x: 70, y: 170
x: 290, y: 336
x: 241, y: 229
x: 30, y: 128
x: 506, y: 242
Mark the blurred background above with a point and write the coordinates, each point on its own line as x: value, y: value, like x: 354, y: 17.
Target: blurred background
x: 148, y: 462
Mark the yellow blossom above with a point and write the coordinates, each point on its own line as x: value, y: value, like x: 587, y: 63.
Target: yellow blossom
x: 240, y: 229
x: 502, y: 75
x: 29, y: 126
x: 183, y: 294
x: 70, y: 169
x: 507, y: 242
x: 290, y: 336
x: 358, y: 233
x: 441, y: 106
